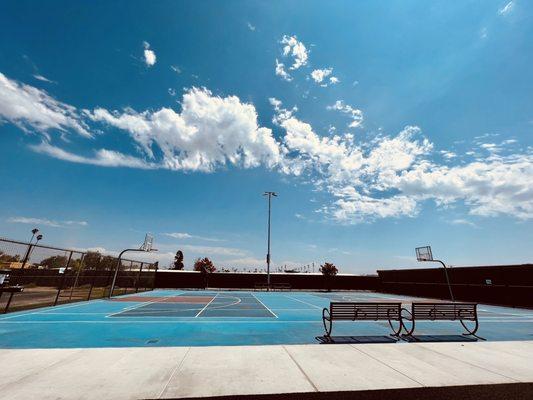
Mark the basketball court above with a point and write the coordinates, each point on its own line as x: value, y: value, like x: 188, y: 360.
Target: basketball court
x: 207, y: 318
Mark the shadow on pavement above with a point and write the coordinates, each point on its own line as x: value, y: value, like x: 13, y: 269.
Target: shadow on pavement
x: 438, y: 338
x: 355, y: 339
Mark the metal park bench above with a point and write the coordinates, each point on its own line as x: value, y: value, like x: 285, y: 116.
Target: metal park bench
x: 281, y: 286
x: 442, y: 312
x: 350, y: 311
x: 5, y: 288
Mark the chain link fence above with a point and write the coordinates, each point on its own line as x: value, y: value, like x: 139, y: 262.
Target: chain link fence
x: 50, y: 275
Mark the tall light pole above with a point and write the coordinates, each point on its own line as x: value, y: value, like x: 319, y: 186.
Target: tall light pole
x: 31, y: 246
x: 269, y: 194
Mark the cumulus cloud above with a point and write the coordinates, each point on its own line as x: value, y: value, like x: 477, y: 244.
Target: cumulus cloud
x: 280, y: 71
x: 382, y: 177
x: 318, y: 75
x: 45, y: 222
x: 355, y: 114
x: 209, y: 132
x: 295, y: 49
x: 33, y: 109
x: 149, y: 55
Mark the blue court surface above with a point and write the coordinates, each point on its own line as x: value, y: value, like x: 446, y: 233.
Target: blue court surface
x: 208, y: 318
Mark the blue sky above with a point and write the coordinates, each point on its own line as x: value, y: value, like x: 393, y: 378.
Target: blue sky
x: 382, y: 125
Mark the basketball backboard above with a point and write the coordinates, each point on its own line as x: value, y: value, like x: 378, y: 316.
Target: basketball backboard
x: 148, y: 242
x: 424, y: 253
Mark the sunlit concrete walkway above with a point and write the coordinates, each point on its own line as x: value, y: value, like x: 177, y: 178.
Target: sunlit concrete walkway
x: 175, y: 372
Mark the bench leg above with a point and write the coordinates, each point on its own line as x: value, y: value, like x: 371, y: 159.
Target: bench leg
x: 471, y: 332
x: 410, y: 331
x: 328, y: 326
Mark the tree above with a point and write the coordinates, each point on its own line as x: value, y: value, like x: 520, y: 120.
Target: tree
x: 204, y: 265
x: 8, y: 258
x: 54, y: 262
x: 108, y: 263
x: 178, y: 261
x: 328, y: 269
x: 92, y: 260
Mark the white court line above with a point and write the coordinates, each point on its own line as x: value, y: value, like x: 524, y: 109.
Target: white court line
x: 169, y: 320
x: 206, y: 306
x: 226, y: 305
x: 214, y: 320
x: 48, y: 308
x: 138, y: 306
x: 301, y: 301
x: 272, y: 312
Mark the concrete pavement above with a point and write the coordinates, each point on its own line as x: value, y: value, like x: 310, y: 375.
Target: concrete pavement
x: 176, y: 372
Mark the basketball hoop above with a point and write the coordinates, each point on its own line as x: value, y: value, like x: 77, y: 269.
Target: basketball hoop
x: 424, y: 253
x: 148, y: 242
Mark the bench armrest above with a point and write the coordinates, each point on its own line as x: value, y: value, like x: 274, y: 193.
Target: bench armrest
x: 324, y: 316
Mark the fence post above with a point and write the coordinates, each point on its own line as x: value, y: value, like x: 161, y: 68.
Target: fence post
x: 155, y: 275
x: 63, y: 279
x: 138, y: 278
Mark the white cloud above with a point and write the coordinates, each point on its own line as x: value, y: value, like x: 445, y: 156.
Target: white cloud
x: 461, y: 221
x: 149, y: 55
x: 508, y: 8
x: 177, y: 70
x: 32, y: 108
x: 280, y: 71
x: 318, y: 75
x: 296, y: 49
x: 184, y: 235
x: 448, y: 155
x: 355, y: 114
x: 250, y: 26
x: 387, y: 176
x: 172, y: 92
x: 46, y: 222
x: 207, y: 251
x: 209, y: 132
x: 42, y: 78
x: 102, y: 157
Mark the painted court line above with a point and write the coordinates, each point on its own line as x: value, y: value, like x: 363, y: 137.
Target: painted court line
x: 171, y: 320
x: 269, y: 310
x: 304, y: 302
x: 63, y: 306
x: 196, y: 316
x: 138, y: 306
x: 227, y: 305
